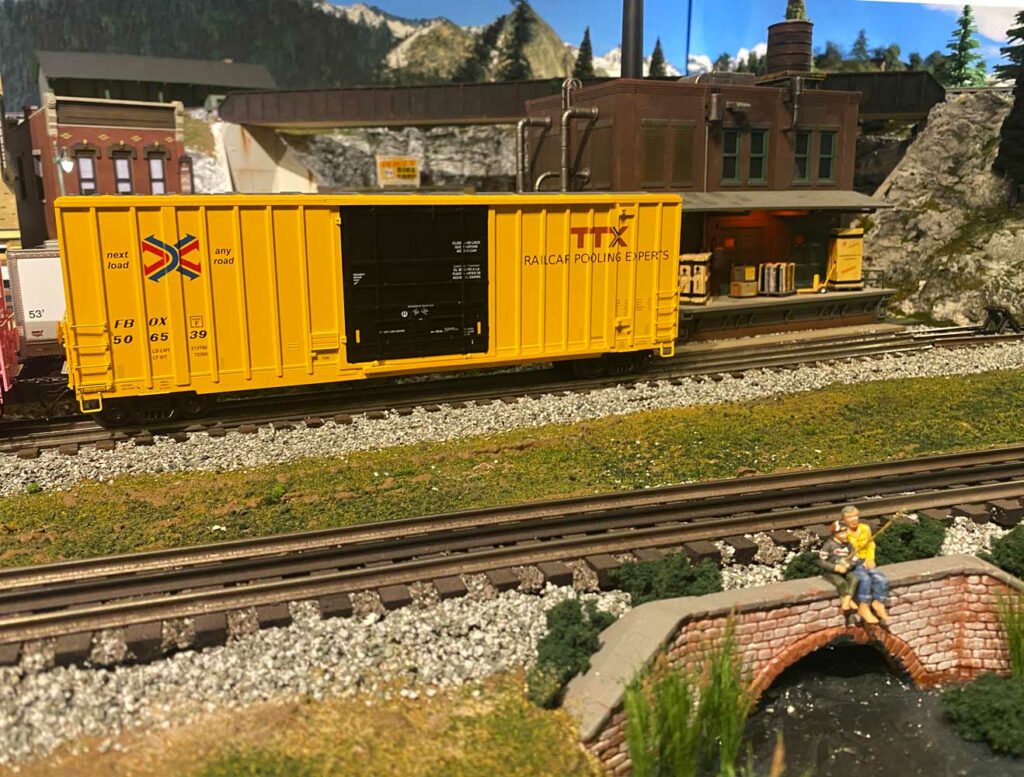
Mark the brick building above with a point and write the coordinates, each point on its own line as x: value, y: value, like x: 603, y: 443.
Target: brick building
x: 92, y: 146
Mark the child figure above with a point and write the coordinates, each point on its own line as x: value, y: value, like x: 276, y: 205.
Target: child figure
x: 837, y: 559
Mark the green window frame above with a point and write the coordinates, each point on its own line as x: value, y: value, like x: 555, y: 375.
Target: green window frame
x: 730, y: 156
x: 827, y: 156
x: 802, y: 157
x: 758, y: 167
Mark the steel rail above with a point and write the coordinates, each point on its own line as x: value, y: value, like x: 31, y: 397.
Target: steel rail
x: 756, y: 492
x: 119, y: 614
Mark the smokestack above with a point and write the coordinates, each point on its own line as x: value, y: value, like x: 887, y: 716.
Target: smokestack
x: 632, y: 38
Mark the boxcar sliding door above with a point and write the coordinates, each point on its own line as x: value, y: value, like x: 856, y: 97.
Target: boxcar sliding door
x: 415, y: 280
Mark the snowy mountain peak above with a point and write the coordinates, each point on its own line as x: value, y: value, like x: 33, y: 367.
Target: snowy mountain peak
x: 368, y: 15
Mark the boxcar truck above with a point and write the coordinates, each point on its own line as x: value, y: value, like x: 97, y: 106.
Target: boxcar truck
x: 174, y: 299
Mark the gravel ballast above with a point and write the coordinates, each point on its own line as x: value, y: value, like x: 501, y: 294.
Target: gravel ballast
x: 53, y: 471
x: 409, y: 652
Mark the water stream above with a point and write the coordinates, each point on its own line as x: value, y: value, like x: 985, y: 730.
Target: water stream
x: 844, y: 714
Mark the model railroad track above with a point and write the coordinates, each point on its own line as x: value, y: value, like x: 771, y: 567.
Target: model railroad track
x: 137, y: 594
x: 313, y: 408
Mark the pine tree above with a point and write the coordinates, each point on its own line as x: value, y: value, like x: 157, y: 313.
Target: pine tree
x: 831, y: 58
x: 1010, y: 160
x: 514, y: 65
x: 795, y: 10
x: 860, y: 48
x: 723, y: 64
x: 965, y: 66
x: 476, y: 65
x: 1014, y: 52
x: 754, y: 64
x: 657, y: 69
x: 584, y: 67
x: 916, y: 63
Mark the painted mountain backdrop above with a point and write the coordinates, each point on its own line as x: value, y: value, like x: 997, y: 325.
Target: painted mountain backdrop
x: 304, y: 43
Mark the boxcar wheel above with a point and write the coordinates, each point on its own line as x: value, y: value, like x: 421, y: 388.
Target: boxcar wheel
x: 117, y: 413
x: 195, y: 405
x: 587, y: 369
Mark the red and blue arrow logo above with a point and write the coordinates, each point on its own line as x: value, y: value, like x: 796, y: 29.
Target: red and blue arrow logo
x: 171, y: 257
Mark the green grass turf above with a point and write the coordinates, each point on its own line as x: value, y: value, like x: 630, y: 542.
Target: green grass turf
x: 836, y: 426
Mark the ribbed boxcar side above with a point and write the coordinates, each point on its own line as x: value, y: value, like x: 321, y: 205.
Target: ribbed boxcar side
x: 192, y: 294
x: 582, y: 278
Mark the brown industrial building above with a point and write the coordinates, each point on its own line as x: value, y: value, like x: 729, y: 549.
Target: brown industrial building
x: 766, y: 169
x: 108, y: 146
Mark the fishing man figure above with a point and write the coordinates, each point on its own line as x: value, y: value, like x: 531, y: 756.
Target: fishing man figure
x: 872, y: 585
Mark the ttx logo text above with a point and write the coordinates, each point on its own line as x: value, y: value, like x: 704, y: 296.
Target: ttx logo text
x: 599, y: 253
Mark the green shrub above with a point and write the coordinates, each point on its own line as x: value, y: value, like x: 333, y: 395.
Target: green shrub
x: 1008, y: 552
x: 666, y: 578
x: 989, y: 709
x: 256, y: 763
x: 1011, y: 618
x: 910, y: 541
x: 678, y: 720
x: 565, y: 650
x: 802, y: 565
x: 275, y: 495
x: 33, y: 488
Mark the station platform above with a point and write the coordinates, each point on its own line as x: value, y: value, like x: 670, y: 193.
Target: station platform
x: 726, y: 317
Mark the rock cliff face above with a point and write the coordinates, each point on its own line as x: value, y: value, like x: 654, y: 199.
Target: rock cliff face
x: 951, y: 244
x: 450, y: 157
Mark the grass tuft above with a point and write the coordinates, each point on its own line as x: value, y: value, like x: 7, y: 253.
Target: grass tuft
x: 1011, y: 618
x: 679, y: 721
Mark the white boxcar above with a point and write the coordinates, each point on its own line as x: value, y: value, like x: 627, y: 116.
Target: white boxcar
x: 37, y: 288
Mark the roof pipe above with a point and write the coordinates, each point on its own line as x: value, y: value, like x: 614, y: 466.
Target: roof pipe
x: 522, y: 169
x: 567, y: 116
x: 632, y: 38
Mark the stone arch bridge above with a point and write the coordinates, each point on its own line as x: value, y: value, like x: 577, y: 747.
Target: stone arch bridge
x: 944, y: 627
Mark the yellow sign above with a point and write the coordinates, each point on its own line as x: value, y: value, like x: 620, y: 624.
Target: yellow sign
x: 398, y: 171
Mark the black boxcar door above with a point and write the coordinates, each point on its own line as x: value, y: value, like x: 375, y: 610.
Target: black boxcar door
x: 415, y: 280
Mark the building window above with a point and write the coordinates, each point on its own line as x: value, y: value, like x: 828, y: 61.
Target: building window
x: 682, y: 154
x: 652, y: 172
x: 731, y: 155
x: 758, y: 156
x: 86, y: 164
x: 122, y: 173
x: 827, y: 157
x: 157, y: 176
x: 802, y: 156
x: 185, y: 175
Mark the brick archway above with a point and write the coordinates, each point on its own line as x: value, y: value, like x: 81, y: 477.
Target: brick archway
x: 896, y: 652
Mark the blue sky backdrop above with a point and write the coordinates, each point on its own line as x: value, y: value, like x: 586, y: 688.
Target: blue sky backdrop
x: 730, y: 25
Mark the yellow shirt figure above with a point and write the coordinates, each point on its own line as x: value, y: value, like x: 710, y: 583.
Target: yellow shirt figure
x: 863, y: 545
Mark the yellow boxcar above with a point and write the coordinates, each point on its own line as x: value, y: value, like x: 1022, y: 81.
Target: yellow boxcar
x: 203, y: 294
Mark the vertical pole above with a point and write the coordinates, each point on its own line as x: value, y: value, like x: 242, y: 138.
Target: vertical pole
x: 689, y: 36
x: 633, y: 38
